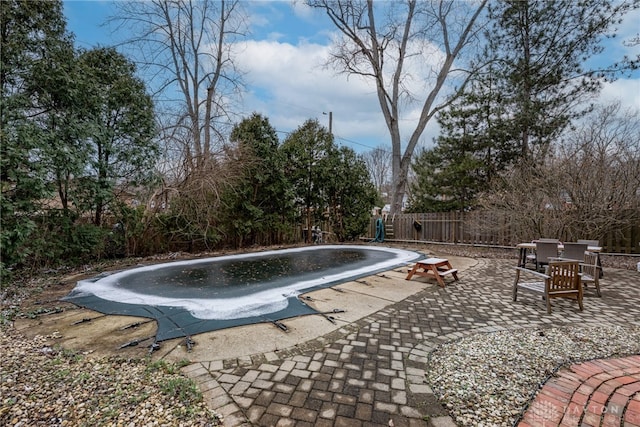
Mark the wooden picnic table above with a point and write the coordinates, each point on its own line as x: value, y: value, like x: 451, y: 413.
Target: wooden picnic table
x: 433, y: 267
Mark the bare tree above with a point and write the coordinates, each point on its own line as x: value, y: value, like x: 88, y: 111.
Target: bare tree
x: 186, y: 49
x: 599, y: 166
x: 428, y: 34
x: 185, y: 46
x: 589, y: 188
x: 378, y: 163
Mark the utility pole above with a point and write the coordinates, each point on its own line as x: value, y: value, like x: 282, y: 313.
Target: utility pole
x: 330, y: 121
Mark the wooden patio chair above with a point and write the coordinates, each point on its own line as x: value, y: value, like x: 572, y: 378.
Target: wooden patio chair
x: 594, y: 243
x: 590, y: 271
x: 562, y: 281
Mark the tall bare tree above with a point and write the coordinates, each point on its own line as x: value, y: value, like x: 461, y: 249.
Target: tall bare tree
x: 388, y: 45
x: 186, y: 47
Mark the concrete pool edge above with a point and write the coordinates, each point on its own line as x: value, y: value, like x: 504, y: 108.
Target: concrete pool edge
x: 98, y: 335
x: 187, y: 315
x: 363, y: 297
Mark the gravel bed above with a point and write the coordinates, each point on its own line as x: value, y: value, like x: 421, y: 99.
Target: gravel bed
x: 46, y: 386
x: 488, y: 379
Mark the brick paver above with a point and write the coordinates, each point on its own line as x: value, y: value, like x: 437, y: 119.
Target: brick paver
x: 612, y: 399
x: 372, y: 372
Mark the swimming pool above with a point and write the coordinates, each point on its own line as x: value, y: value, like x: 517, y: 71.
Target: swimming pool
x: 219, y: 292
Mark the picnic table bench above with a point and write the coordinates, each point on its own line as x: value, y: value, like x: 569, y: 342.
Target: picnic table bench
x: 433, y: 267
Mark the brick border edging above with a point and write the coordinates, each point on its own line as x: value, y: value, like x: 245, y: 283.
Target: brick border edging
x: 422, y: 353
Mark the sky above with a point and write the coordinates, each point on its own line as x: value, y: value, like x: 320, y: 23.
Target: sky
x: 288, y: 83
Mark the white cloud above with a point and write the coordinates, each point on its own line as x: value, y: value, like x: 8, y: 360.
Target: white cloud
x: 291, y: 84
x: 302, y: 10
x: 627, y: 91
x: 629, y: 28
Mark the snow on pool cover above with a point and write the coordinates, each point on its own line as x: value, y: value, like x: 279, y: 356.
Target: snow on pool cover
x: 195, y: 296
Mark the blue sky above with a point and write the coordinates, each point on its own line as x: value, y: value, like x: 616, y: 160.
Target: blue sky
x: 286, y: 80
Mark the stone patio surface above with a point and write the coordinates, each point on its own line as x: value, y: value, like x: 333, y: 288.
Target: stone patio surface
x: 370, y: 371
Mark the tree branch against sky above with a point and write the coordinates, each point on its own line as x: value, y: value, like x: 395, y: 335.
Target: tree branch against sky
x: 408, y: 48
x: 542, y: 70
x: 542, y: 52
x: 378, y: 163
x: 281, y: 59
x: 184, y: 46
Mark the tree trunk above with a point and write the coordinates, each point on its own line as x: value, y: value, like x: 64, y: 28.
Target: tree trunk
x: 400, y: 185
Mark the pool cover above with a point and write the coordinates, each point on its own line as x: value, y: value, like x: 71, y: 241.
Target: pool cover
x: 191, y: 297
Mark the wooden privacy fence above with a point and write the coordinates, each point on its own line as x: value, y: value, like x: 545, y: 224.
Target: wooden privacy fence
x: 480, y: 228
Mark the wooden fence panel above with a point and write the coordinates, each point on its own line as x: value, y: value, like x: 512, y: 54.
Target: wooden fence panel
x: 471, y: 228
x: 627, y: 241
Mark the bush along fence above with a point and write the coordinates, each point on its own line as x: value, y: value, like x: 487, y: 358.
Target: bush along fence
x: 486, y: 229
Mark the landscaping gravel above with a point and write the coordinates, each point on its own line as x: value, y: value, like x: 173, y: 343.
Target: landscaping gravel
x: 488, y: 378
x: 42, y: 385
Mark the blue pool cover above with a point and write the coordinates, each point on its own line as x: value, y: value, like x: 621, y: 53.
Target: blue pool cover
x: 191, y: 297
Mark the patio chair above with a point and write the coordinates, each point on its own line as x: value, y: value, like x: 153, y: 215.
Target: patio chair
x: 590, y: 271
x: 574, y: 251
x: 532, y: 257
x: 545, y: 252
x: 562, y: 281
x: 594, y: 243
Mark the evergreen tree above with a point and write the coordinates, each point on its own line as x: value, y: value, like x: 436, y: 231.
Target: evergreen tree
x: 351, y: 194
x: 331, y: 184
x: 473, y: 147
x: 534, y: 85
x: 32, y: 34
x: 306, y: 151
x: 541, y: 51
x: 260, y: 204
x: 72, y: 124
x: 120, y: 139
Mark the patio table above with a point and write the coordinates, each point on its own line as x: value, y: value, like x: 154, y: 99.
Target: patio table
x: 528, y: 246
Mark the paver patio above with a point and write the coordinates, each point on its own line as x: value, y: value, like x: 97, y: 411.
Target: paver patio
x: 597, y: 392
x: 371, y: 372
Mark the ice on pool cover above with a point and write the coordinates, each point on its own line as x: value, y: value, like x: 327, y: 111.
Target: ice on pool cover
x: 189, y: 297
